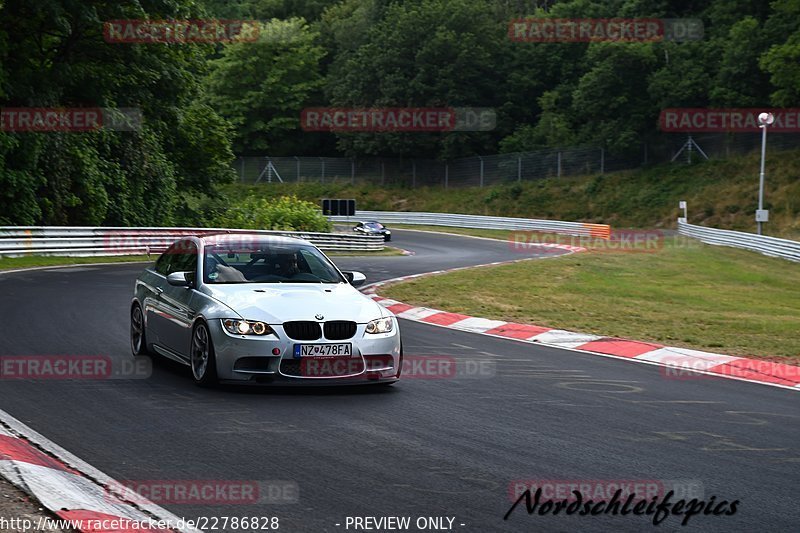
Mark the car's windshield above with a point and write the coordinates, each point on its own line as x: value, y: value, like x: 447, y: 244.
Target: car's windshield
x: 265, y: 262
x: 374, y: 225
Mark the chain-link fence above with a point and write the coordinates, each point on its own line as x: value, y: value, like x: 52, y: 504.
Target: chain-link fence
x: 479, y: 171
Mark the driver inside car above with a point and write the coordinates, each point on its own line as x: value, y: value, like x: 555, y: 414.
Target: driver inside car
x: 286, y: 265
x: 216, y: 272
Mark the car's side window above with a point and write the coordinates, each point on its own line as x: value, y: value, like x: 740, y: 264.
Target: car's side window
x: 163, y: 262
x: 184, y: 258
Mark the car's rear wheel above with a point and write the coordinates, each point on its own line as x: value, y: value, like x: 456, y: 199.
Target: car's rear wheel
x: 138, y: 333
x: 202, y: 359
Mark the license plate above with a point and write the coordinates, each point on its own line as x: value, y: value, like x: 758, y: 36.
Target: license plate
x: 323, y: 350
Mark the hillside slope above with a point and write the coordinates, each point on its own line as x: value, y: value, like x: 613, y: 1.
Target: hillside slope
x: 722, y: 194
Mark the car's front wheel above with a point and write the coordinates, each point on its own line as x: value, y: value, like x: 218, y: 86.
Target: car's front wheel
x: 202, y: 360
x: 138, y: 333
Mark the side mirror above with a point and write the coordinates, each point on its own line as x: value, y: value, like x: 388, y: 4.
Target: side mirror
x: 181, y: 279
x: 356, y: 279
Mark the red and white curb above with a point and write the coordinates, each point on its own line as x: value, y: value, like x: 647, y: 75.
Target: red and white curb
x: 677, y: 360
x: 71, y: 488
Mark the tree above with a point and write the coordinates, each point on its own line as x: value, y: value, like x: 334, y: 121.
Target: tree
x: 262, y: 87
x: 53, y: 54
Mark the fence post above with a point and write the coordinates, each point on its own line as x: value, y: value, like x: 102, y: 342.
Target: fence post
x: 352, y: 171
x: 241, y: 176
x: 479, y: 157
x: 413, y: 174
x: 519, y: 168
x: 383, y: 173
x: 446, y: 173
x: 602, y: 161
x: 323, y: 169
x: 297, y: 159
x: 559, y: 163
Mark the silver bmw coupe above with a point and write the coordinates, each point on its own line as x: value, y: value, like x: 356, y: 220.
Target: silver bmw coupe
x: 262, y: 309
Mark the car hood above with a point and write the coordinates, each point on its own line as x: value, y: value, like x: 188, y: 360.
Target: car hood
x: 276, y: 303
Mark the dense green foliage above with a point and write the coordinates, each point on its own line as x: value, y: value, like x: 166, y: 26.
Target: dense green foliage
x: 53, y: 54
x: 457, y: 53
x: 286, y: 213
x: 201, y: 103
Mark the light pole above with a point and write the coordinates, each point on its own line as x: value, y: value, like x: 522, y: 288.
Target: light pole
x: 762, y: 215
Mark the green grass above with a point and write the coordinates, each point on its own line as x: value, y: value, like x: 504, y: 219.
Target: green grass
x: 721, y: 193
x: 686, y: 294
x: 11, y: 263
x: 499, y: 234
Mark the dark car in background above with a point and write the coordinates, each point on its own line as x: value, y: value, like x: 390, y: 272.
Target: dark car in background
x: 373, y: 227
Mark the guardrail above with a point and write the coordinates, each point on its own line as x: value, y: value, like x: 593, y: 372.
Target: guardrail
x: 78, y: 241
x: 771, y: 246
x: 602, y: 231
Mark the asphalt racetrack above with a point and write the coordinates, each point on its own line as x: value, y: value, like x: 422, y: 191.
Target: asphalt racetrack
x: 422, y: 448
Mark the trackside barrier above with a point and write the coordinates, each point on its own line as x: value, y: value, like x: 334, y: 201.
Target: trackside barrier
x: 771, y: 246
x: 79, y: 241
x: 601, y: 231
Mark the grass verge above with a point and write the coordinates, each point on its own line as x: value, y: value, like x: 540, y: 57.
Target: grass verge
x: 720, y: 194
x: 11, y: 263
x: 684, y: 294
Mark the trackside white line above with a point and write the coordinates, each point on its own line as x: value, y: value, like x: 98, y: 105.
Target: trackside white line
x: 417, y: 313
x: 478, y: 325
x: 684, y: 356
x: 99, y: 478
x: 561, y: 337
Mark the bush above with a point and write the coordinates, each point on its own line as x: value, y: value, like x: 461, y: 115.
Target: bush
x: 287, y: 213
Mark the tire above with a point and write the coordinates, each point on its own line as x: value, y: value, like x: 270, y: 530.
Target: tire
x: 202, y: 361
x: 138, y: 331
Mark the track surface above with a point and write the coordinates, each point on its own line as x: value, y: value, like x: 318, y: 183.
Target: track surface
x: 447, y: 447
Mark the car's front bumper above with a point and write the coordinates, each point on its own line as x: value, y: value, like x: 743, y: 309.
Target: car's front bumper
x: 271, y: 359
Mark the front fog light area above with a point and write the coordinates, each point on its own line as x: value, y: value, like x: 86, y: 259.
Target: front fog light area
x: 380, y: 325
x: 246, y: 327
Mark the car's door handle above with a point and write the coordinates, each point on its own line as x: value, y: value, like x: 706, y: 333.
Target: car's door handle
x: 159, y: 290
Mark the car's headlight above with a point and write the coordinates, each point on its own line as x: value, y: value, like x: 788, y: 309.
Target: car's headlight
x: 380, y: 325
x: 246, y: 327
